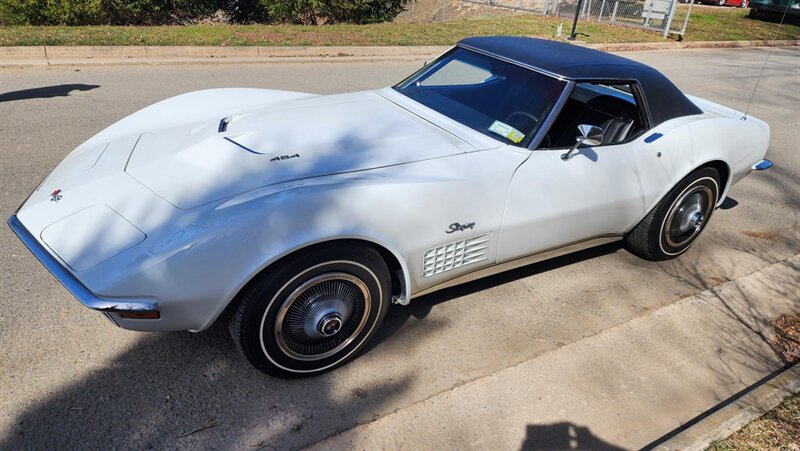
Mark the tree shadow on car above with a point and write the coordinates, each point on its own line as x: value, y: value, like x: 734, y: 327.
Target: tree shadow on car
x: 183, y: 390
x: 46, y: 92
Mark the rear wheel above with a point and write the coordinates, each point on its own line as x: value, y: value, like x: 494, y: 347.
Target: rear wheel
x: 314, y: 312
x: 676, y: 222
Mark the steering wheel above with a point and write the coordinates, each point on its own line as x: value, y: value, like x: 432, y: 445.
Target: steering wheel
x: 521, y: 113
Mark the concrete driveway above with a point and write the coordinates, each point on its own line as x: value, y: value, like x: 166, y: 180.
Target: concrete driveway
x: 596, y: 349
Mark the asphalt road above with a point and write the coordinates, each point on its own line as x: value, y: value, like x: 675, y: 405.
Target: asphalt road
x: 69, y: 379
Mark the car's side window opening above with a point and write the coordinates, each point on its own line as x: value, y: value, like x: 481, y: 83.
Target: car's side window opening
x: 611, y: 106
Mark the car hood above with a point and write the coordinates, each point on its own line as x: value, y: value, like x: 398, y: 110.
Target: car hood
x: 191, y: 165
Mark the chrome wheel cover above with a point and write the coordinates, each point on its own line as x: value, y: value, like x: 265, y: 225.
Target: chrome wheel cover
x: 688, y: 215
x: 322, y: 316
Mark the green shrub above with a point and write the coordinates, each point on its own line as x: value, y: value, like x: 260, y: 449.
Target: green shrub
x: 100, y: 12
x: 246, y: 11
x: 154, y: 12
x: 151, y: 12
x: 314, y: 12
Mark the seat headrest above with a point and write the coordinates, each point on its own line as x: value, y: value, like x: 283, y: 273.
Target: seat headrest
x: 612, y: 106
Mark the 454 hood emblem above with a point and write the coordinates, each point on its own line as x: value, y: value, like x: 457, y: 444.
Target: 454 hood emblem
x: 55, y: 196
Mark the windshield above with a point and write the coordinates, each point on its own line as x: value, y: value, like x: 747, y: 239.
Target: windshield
x: 496, y: 98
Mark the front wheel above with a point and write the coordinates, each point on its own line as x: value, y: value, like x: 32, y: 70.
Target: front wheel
x: 676, y: 222
x: 313, y: 312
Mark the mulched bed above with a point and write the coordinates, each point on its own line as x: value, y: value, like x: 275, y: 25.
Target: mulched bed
x: 787, y: 337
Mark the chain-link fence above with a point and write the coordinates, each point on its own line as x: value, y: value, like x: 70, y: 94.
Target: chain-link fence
x: 663, y: 16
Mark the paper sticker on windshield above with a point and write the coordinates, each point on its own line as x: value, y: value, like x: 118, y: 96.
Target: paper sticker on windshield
x: 507, y: 131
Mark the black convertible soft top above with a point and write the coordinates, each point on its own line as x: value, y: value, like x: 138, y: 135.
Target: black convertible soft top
x: 664, y: 100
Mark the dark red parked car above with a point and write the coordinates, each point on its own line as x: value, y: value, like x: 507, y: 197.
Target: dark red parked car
x: 738, y: 3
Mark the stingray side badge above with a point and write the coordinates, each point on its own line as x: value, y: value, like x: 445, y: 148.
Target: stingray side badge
x: 457, y: 227
x: 55, y: 196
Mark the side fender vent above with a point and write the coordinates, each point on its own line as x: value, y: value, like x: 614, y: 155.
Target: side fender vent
x: 455, y: 255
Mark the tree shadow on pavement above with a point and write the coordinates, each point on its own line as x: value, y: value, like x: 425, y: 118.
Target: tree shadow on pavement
x: 563, y: 436
x: 748, y: 304
x: 751, y: 346
x: 182, y: 390
x: 45, y: 92
x: 752, y: 356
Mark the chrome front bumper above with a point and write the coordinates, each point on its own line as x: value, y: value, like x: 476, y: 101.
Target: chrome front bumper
x: 86, y: 297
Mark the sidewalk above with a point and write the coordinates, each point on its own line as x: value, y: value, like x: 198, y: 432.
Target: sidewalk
x: 44, y: 56
x: 622, y: 388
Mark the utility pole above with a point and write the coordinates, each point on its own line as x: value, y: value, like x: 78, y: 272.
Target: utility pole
x: 575, y: 21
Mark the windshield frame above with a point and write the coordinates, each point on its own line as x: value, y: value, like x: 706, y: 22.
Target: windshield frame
x: 531, y: 142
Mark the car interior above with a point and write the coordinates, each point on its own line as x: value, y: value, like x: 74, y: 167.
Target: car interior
x: 610, y: 107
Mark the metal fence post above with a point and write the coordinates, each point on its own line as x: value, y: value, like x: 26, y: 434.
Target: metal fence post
x: 602, y: 7
x: 578, y: 8
x: 686, y: 19
x: 647, y: 12
x: 614, y: 13
x: 668, y: 21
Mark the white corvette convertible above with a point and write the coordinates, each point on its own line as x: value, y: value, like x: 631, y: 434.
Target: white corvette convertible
x: 303, y: 217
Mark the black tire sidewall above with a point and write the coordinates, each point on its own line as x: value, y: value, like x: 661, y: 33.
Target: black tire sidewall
x: 706, y: 177
x: 264, y: 301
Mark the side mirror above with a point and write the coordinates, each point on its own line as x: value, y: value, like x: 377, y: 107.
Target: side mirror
x: 591, y: 135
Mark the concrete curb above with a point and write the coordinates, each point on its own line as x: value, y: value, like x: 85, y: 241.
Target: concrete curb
x: 737, y: 414
x: 124, y: 55
x: 33, y: 56
x: 672, y: 45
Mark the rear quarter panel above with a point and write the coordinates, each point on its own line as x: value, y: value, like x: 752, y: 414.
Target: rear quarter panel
x: 690, y: 142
